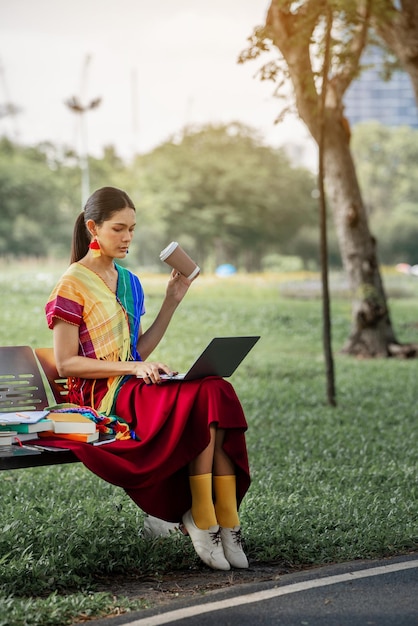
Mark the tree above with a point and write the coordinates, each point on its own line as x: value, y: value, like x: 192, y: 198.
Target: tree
x: 396, y: 22
x: 225, y: 191
x: 40, y: 196
x: 33, y: 201
x: 297, y: 30
x: 387, y: 166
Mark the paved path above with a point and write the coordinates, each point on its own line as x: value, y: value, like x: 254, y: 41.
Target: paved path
x: 366, y: 593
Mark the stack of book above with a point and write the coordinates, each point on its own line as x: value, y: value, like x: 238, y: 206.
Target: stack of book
x: 28, y: 425
x: 16, y: 428
x: 23, y: 426
x: 73, y: 426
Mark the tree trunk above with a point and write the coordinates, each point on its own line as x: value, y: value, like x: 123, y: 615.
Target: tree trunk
x: 371, y: 333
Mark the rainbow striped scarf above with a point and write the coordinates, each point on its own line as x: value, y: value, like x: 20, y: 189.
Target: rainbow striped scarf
x: 109, y: 325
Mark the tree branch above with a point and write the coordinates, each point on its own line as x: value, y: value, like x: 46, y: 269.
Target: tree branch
x: 343, y: 79
x: 398, y: 27
x: 291, y: 33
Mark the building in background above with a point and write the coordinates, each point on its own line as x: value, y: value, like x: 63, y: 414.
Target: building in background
x: 390, y: 102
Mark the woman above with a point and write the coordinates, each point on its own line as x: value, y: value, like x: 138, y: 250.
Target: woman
x: 188, y: 459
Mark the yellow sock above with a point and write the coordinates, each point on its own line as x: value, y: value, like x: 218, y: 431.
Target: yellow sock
x: 225, y: 488
x: 203, y: 511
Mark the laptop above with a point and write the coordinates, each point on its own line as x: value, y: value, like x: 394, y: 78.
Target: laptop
x: 220, y: 358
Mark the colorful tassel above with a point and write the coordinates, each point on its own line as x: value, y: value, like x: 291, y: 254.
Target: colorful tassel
x: 107, y: 424
x: 95, y: 248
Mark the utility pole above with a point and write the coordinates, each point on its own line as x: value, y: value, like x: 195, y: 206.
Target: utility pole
x: 75, y: 104
x: 134, y: 88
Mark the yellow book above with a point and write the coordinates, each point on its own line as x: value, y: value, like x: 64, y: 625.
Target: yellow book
x: 71, y: 423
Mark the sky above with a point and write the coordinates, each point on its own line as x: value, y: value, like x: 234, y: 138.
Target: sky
x: 157, y: 65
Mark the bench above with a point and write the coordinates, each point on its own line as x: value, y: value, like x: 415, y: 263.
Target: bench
x: 29, y: 381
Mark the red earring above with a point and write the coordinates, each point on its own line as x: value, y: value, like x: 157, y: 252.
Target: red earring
x: 95, y: 248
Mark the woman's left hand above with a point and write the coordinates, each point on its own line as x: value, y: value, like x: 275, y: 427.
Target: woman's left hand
x: 177, y: 286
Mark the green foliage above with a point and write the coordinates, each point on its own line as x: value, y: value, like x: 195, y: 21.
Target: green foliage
x: 222, y: 190
x: 304, y: 33
x: 387, y: 167
x: 40, y: 196
x: 30, y: 200
x: 328, y: 484
x: 56, y: 610
x: 218, y: 189
x: 387, y: 160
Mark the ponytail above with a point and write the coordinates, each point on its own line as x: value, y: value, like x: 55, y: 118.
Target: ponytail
x: 81, y: 239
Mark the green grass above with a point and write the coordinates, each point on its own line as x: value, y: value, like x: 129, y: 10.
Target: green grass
x: 328, y: 484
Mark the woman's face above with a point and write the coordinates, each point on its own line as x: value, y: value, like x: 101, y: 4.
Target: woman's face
x: 115, y: 235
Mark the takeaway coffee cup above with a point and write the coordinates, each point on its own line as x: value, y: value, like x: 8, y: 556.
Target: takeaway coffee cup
x: 176, y: 257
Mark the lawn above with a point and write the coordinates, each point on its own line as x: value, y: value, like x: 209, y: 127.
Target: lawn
x: 328, y: 484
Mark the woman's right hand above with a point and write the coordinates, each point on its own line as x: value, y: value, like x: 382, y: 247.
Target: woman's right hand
x: 150, y: 371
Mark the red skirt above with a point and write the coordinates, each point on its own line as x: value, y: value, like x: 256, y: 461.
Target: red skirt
x: 172, y: 421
